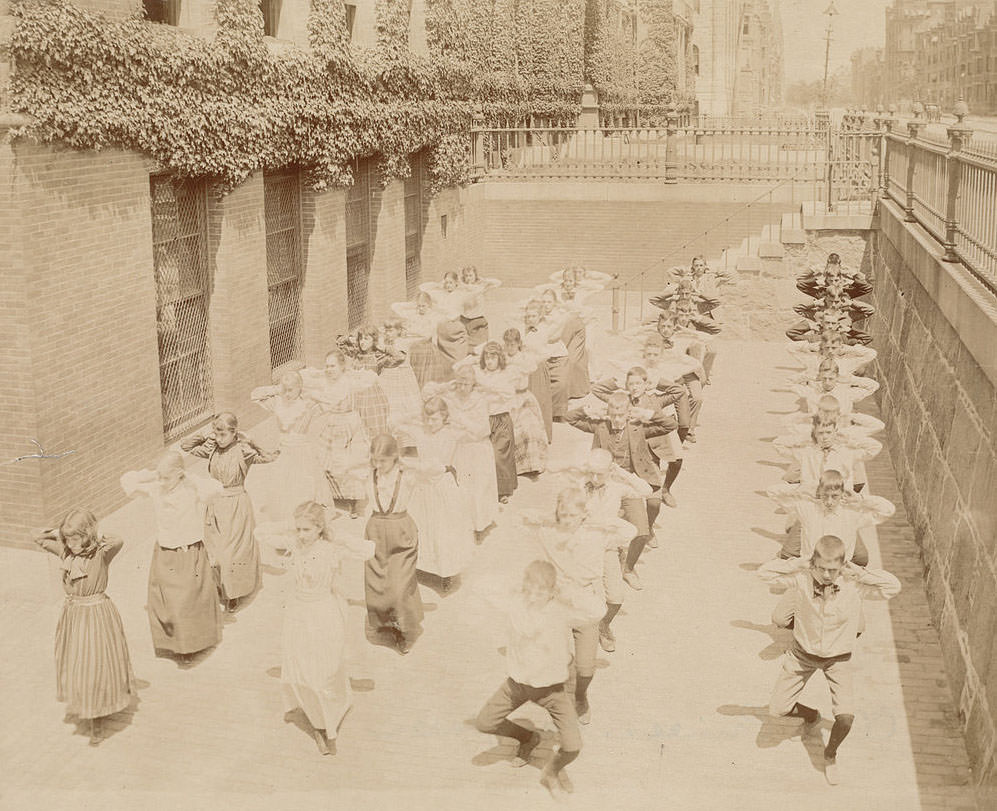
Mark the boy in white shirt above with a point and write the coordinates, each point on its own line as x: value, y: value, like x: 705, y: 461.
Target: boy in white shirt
x: 539, y: 618
x: 823, y: 606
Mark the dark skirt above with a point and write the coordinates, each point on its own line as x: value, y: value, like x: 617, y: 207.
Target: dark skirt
x: 557, y: 368
x: 229, y: 538
x: 578, y: 359
x: 429, y: 364
x: 477, y: 329
x: 390, y: 585
x: 183, y: 601
x: 539, y: 385
x: 504, y: 441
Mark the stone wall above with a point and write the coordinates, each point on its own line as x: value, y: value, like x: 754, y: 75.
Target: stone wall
x: 936, y: 333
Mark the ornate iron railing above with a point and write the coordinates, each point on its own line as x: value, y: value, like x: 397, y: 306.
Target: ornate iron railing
x: 949, y: 189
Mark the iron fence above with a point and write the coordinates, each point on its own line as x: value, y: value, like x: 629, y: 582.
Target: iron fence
x: 728, y: 151
x: 949, y: 189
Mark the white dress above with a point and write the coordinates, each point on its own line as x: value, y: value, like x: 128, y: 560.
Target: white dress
x: 294, y: 477
x: 313, y: 670
x: 440, y: 509
x: 474, y: 457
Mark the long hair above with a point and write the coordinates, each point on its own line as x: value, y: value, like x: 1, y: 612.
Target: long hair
x: 83, y: 523
x: 496, y: 349
x: 314, y: 512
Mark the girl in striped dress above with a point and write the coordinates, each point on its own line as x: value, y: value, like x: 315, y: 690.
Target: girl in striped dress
x: 92, y: 666
x: 229, y: 521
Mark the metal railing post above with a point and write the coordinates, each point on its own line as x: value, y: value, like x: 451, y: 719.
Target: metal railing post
x: 478, y: 167
x: 671, y: 149
x: 616, y: 302
x: 958, y: 136
x: 913, y: 130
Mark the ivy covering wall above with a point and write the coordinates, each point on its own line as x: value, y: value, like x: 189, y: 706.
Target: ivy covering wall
x: 634, y: 76
x: 227, y: 106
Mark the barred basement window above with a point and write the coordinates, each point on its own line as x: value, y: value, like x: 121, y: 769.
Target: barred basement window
x: 414, y: 224
x: 282, y: 213
x: 358, y: 242
x: 162, y: 11
x: 179, y: 260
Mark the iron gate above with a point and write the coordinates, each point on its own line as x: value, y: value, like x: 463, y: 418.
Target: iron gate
x: 179, y: 236
x: 282, y: 213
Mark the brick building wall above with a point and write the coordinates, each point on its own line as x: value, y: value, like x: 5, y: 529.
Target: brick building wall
x: 85, y: 352
x: 937, y: 341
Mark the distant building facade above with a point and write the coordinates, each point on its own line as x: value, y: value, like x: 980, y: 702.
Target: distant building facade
x: 868, y: 81
x: 937, y: 50
x: 958, y: 58
x: 738, y: 44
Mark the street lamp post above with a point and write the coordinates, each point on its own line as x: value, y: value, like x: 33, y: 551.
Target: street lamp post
x: 829, y: 12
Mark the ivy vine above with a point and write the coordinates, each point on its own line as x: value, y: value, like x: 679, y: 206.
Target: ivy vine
x: 226, y: 107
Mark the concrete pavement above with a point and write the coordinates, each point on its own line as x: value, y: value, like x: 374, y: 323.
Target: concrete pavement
x: 679, y: 710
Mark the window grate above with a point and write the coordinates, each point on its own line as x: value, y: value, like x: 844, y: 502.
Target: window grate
x: 282, y: 213
x: 179, y: 236
x: 358, y: 247
x: 414, y: 223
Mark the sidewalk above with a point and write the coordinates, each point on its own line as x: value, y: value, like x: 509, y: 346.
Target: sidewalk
x: 679, y: 716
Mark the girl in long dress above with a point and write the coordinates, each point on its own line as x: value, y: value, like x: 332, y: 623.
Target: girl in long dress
x: 419, y: 317
x: 314, y: 671
x: 472, y: 312
x: 506, y: 387
x: 433, y: 361
x: 182, y: 598
x: 229, y: 521
x: 573, y: 334
x: 542, y: 336
x: 502, y: 433
x: 534, y: 369
x: 474, y: 457
x: 369, y: 401
x: 92, y: 666
x: 343, y: 437
x: 441, y: 509
x: 390, y: 584
x: 295, y: 476
x: 397, y: 378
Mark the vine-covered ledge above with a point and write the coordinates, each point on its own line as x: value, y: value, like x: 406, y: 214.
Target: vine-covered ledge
x: 226, y: 107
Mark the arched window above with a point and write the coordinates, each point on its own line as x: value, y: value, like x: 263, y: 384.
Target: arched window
x: 695, y: 59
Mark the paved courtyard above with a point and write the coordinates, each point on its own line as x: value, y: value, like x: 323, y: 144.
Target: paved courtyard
x: 678, y: 711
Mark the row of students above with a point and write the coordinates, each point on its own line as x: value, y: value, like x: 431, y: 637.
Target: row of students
x: 354, y: 460
x: 822, y: 566
x: 603, y: 521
